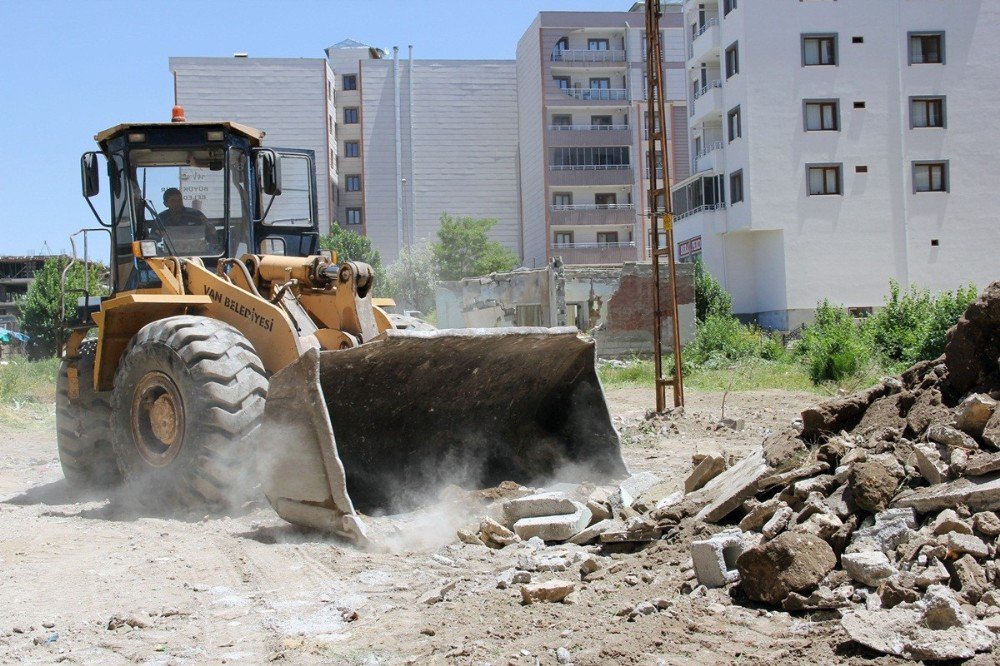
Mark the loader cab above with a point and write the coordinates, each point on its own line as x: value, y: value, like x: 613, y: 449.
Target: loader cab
x: 205, y: 190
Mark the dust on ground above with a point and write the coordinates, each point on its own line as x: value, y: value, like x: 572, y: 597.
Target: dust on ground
x: 86, y: 580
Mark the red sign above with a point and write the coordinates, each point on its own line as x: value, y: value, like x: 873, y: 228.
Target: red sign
x: 690, y: 246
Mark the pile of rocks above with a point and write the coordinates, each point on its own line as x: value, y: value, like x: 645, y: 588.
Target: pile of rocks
x: 880, y: 508
x: 575, y: 514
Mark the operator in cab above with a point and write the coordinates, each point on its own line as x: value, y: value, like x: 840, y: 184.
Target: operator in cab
x: 179, y: 222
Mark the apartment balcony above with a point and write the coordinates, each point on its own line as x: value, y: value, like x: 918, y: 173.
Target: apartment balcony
x: 710, y: 158
x: 568, y: 136
x: 588, y: 57
x: 592, y: 214
x: 562, y: 175
x: 707, y: 102
x: 705, y: 43
x: 596, y: 94
x: 595, y: 253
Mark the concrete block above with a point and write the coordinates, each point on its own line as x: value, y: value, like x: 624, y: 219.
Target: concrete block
x: 930, y: 464
x: 869, y: 568
x: 950, y: 437
x: 551, y: 591
x: 715, y: 558
x: 965, y: 543
x: 709, y: 468
x: 630, y: 489
x: 972, y: 415
x: 541, y: 504
x: 948, y: 521
x: 979, y: 494
x: 982, y: 464
x: 554, y: 528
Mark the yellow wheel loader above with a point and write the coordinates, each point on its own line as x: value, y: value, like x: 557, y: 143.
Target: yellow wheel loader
x: 230, y: 351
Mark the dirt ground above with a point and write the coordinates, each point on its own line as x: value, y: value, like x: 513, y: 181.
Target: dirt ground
x: 86, y: 580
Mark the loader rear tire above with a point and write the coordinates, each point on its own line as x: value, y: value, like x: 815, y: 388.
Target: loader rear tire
x: 83, y: 426
x: 189, y: 394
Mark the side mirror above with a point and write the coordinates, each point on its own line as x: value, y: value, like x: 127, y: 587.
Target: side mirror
x: 270, y: 172
x: 88, y: 175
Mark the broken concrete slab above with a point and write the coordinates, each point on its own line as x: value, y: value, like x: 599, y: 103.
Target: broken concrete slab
x: 986, y: 522
x: 778, y: 522
x: 709, y: 468
x: 951, y: 437
x: 991, y: 433
x: 970, y: 578
x: 932, y: 467
x: 790, y: 476
x: 957, y: 542
x: 982, y: 464
x: 598, y: 510
x: 554, y: 528
x: 592, y: 533
x: 822, y: 599
x: 437, y: 594
x: 868, y: 568
x: 727, y: 491
x: 979, y: 494
x: 760, y: 514
x: 973, y: 413
x: 933, y: 629
x: 540, y: 504
x: 630, y: 489
x: 552, y: 591
x: 948, y: 521
x: 715, y: 558
x: 495, y: 535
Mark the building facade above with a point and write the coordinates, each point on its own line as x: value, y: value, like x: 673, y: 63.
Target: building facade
x: 290, y: 99
x: 581, y: 84
x: 836, y: 146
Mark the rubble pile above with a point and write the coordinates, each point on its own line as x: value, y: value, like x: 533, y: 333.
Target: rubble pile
x: 880, y: 508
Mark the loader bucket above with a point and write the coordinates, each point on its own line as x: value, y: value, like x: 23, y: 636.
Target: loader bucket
x: 385, y: 426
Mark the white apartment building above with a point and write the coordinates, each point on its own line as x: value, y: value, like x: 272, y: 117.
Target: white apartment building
x: 838, y: 144
x: 291, y: 99
x: 581, y: 88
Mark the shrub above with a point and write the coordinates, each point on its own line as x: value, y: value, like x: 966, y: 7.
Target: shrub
x: 709, y: 296
x: 832, y: 346
x: 722, y: 339
x: 912, y: 325
x: 40, y: 315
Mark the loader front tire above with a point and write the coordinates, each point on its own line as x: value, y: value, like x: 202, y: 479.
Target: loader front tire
x: 83, y: 425
x: 189, y: 394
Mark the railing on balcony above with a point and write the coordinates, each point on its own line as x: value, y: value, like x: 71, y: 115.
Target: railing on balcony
x: 699, y: 209
x: 708, y: 86
x: 595, y: 253
x: 603, y: 94
x: 708, y: 149
x: 614, y: 206
x: 588, y: 167
x: 596, y: 128
x: 703, y: 29
x: 588, y: 55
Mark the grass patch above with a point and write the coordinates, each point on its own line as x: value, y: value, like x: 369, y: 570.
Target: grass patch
x: 746, y: 375
x: 28, y: 392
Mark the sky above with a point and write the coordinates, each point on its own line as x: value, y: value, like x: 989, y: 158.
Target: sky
x: 71, y: 68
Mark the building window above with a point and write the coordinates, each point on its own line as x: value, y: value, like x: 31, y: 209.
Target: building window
x: 927, y: 112
x: 354, y: 216
x: 822, y: 115
x: 859, y: 105
x: 581, y: 157
x: 857, y: 39
x: 564, y: 238
x: 601, y: 121
x: 728, y: 6
x: 562, y: 81
x: 353, y: 184
x: 732, y: 60
x: 562, y: 120
x: 600, y: 84
x: 734, y: 124
x: 930, y: 176
x: 351, y: 115
x: 562, y: 199
x: 824, y: 179
x: 605, y: 199
x: 350, y: 81
x: 597, y: 45
x: 607, y: 237
x: 352, y: 149
x: 926, y: 48
x: 736, y: 186
x: 329, y: 91
x: 819, y: 50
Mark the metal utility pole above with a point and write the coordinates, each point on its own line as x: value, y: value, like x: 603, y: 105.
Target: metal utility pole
x: 661, y: 210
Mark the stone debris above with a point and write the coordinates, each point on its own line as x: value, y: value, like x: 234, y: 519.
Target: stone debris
x: 551, y: 591
x: 791, y: 562
x: 933, y: 629
x: 715, y: 558
x: 436, y: 594
x: 706, y: 470
x: 495, y: 535
x: 868, y: 568
x: 973, y: 413
x: 558, y: 527
x: 541, y: 504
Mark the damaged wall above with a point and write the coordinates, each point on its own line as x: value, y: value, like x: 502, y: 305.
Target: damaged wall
x: 611, y: 303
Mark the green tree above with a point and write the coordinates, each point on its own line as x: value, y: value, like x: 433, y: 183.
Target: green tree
x: 352, y: 246
x: 39, y: 309
x: 465, y: 250
x: 710, y: 299
x: 832, y: 347
x: 412, y: 279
